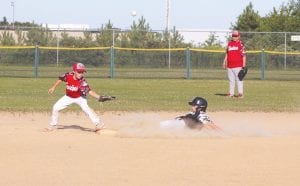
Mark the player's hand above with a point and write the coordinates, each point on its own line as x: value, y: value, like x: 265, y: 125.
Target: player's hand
x: 224, y: 64
x: 51, y: 90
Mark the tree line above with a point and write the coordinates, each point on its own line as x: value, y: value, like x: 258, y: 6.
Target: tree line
x: 269, y: 32
x: 284, y: 19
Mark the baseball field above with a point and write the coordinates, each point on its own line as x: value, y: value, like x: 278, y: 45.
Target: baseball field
x: 259, y: 143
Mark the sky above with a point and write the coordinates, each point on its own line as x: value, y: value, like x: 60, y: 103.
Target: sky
x: 183, y: 14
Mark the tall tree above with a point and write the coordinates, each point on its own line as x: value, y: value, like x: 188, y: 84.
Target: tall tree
x: 67, y: 41
x: 4, y: 22
x: 295, y: 14
x: 285, y: 19
x: 138, y: 35
x: 277, y: 20
x: 176, y: 39
x: 249, y: 20
x: 86, y: 40
x: 105, y: 36
x: 40, y: 36
x: 212, y: 42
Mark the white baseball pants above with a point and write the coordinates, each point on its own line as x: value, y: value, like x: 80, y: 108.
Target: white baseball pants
x: 65, y: 101
x: 233, y: 77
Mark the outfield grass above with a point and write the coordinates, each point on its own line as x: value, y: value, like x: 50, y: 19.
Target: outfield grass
x: 143, y: 72
x: 28, y: 94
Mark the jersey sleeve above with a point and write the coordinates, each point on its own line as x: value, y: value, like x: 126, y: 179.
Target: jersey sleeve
x: 63, y: 77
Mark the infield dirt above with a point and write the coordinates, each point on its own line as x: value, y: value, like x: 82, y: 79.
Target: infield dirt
x: 253, y: 149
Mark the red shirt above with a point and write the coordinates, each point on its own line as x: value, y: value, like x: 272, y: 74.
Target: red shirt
x: 235, y: 52
x: 75, y: 87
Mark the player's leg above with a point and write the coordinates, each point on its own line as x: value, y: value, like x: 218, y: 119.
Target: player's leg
x: 82, y: 102
x: 240, y: 88
x: 61, y: 104
x: 240, y: 84
x: 231, y: 77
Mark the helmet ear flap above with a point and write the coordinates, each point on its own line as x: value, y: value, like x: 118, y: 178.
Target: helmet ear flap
x: 199, y: 108
x: 200, y: 102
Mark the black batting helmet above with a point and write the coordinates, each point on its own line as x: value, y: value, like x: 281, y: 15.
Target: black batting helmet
x: 200, y: 102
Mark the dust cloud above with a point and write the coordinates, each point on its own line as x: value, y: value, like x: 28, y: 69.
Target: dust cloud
x: 147, y: 125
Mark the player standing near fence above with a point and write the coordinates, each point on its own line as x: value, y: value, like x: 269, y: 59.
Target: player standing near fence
x: 235, y: 61
x: 77, y: 90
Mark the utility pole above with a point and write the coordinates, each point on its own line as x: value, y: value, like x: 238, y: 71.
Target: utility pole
x: 168, y: 29
x: 12, y: 3
x: 167, y: 14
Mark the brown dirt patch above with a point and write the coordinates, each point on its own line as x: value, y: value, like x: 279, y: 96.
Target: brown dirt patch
x: 255, y: 149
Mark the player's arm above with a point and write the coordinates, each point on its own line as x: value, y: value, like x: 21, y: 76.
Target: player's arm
x: 100, y: 98
x: 244, y: 61
x: 244, y: 55
x: 52, y: 89
x: 225, y: 60
x: 94, y: 94
x: 60, y: 79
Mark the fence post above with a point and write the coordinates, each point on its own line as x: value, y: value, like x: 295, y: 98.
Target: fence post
x: 36, y: 61
x: 188, y: 62
x: 285, y: 51
x: 112, y: 62
x: 263, y: 64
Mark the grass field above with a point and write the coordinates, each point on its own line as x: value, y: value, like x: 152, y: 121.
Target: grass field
x: 29, y: 94
x: 144, y: 72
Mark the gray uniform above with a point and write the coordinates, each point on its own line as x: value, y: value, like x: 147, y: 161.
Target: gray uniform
x: 191, y: 120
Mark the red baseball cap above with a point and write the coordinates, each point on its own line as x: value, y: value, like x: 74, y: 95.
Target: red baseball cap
x: 235, y: 33
x: 79, y: 67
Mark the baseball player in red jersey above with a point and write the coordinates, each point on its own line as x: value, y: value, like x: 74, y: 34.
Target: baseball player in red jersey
x: 234, y: 61
x: 76, y: 92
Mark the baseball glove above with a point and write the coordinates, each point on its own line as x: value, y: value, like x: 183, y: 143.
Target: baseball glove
x: 106, y: 98
x: 242, y: 73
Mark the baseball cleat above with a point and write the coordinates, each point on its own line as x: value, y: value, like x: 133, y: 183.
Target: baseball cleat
x: 230, y: 95
x: 99, y: 127
x: 50, y: 129
x: 240, y: 96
